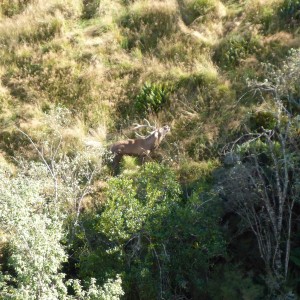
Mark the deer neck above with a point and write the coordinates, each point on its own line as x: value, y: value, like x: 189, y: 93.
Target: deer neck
x: 153, y: 140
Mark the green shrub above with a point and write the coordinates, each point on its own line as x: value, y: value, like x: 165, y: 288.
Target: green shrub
x: 263, y: 14
x: 289, y: 11
x: 267, y: 17
x: 262, y: 120
x: 191, y: 171
x: 152, y: 98
x: 235, y: 48
x: 154, y: 237
x: 230, y: 283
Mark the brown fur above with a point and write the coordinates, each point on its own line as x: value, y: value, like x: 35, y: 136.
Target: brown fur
x: 138, y: 147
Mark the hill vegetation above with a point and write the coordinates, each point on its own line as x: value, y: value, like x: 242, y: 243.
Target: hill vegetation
x: 213, y: 214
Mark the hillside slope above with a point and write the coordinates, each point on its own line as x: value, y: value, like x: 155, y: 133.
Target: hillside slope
x: 74, y: 72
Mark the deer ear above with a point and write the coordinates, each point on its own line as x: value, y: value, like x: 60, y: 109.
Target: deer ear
x: 156, y: 134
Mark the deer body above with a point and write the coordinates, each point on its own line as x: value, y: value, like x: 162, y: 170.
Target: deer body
x: 138, y: 147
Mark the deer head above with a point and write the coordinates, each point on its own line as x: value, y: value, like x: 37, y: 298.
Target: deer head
x: 142, y: 146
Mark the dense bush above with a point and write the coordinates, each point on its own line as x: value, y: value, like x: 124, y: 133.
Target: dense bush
x: 262, y: 188
x: 161, y: 245
x: 289, y: 12
x: 235, y: 48
x: 32, y: 221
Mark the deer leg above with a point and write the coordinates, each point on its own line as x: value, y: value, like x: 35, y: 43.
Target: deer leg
x: 116, y: 164
x: 146, y: 157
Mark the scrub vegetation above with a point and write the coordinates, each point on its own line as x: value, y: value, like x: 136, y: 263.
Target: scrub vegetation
x: 213, y: 213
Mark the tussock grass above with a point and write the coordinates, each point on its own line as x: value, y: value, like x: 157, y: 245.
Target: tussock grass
x: 262, y: 12
x: 146, y: 22
x: 39, y: 22
x: 9, y: 8
x: 94, y: 58
x: 201, y: 10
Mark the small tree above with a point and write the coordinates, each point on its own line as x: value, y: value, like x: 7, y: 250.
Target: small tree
x: 264, y: 186
x: 36, y: 204
x: 165, y: 243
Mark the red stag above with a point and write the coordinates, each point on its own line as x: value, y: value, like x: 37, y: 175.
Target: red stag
x: 140, y: 147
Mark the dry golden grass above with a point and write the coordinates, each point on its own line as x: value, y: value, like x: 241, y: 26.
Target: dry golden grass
x: 40, y: 21
x: 95, y: 68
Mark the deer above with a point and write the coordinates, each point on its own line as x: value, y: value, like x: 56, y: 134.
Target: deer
x: 140, y: 147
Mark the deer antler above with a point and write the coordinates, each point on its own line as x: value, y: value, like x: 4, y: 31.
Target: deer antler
x: 138, y: 126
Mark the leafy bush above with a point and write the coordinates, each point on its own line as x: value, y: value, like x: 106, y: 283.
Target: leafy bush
x: 35, y: 232
x: 152, y: 98
x: 262, y: 120
x: 161, y: 245
x: 263, y: 188
x: 235, y: 48
x: 33, y: 218
x: 191, y: 171
x: 231, y: 283
x: 289, y: 11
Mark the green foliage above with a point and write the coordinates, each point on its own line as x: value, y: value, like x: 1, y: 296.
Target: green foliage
x: 35, y: 230
x: 152, y: 98
x: 235, y: 48
x: 231, y: 283
x: 80, y: 53
x: 262, y: 120
x: 162, y: 245
x: 157, y: 186
x: 129, y: 164
x: 289, y: 12
x: 111, y: 290
x: 263, y: 14
x: 123, y: 214
x: 191, y: 171
x: 295, y: 256
x: 33, y: 206
x: 266, y: 176
x: 202, y: 7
